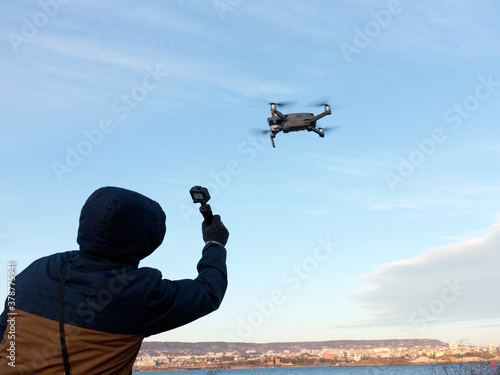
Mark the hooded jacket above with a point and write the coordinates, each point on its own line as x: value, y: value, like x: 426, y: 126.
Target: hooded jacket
x: 110, y: 304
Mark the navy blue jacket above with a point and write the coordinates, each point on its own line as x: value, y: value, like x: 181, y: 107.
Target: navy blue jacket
x: 110, y: 304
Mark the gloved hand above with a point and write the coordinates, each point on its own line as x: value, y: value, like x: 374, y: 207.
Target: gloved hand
x: 216, y: 231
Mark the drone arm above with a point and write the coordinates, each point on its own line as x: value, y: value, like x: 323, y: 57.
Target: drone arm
x: 279, y: 114
x: 327, y: 112
x: 321, y: 115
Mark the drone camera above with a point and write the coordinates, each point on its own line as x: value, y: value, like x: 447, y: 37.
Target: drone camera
x: 199, y: 194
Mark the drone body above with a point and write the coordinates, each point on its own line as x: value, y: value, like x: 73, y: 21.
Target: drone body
x: 294, y: 122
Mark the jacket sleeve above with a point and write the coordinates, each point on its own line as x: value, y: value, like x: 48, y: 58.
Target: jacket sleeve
x: 3, y: 324
x: 171, y: 304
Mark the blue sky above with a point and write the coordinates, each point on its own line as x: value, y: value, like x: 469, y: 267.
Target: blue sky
x: 388, y: 227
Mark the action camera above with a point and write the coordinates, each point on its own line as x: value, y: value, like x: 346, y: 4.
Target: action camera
x: 201, y: 195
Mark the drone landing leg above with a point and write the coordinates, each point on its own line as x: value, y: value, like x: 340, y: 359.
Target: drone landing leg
x: 319, y: 132
x: 272, y: 141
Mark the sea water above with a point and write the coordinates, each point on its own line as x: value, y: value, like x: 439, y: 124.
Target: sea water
x: 455, y: 369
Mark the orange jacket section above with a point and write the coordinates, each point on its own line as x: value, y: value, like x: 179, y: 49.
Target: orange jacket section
x: 31, y: 344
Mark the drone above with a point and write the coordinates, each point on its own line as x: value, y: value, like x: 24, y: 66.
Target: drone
x: 294, y: 122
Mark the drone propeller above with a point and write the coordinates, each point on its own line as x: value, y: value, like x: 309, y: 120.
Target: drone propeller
x: 318, y: 104
x: 260, y: 131
x: 323, y: 102
x: 329, y: 129
x: 283, y: 104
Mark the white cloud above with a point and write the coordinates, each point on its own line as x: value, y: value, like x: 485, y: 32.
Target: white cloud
x: 449, y: 284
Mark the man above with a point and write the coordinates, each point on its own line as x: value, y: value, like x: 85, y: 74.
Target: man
x: 88, y: 311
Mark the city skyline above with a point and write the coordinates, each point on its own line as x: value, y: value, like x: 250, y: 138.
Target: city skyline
x: 158, y: 355
x: 388, y: 227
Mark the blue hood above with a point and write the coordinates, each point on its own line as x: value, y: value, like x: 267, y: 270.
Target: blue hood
x: 120, y: 225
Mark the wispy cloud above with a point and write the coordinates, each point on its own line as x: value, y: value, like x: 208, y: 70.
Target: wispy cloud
x: 430, y: 30
x: 247, y: 86
x: 361, y: 165
x: 311, y: 212
x: 441, y: 190
x: 291, y: 17
x: 89, y: 50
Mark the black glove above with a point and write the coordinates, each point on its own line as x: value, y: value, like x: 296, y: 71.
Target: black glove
x: 216, y: 231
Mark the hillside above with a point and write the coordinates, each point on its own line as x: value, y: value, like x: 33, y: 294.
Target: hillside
x: 200, y: 348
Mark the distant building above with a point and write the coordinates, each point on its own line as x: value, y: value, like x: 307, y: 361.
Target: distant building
x: 453, y: 345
